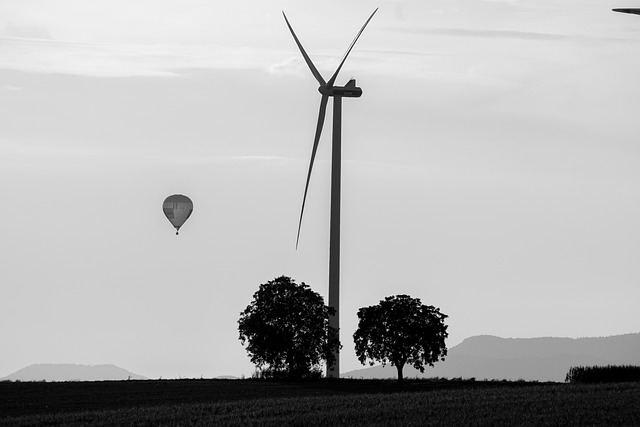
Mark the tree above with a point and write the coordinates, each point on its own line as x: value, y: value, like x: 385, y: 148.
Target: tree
x: 286, y: 329
x: 401, y: 330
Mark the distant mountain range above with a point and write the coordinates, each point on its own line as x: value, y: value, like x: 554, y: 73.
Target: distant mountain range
x: 481, y: 357
x: 542, y: 359
x: 69, y: 372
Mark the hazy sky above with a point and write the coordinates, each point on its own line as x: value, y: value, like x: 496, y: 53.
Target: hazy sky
x: 490, y: 169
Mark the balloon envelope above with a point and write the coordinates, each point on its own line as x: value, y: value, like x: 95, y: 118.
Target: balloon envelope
x: 177, y: 209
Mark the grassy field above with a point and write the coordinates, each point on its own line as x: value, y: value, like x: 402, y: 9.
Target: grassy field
x: 322, y: 402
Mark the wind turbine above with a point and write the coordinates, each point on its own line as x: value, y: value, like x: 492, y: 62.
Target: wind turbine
x: 328, y: 89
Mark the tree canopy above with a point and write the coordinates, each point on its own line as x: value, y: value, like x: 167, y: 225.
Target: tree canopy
x: 401, y: 330
x: 286, y: 329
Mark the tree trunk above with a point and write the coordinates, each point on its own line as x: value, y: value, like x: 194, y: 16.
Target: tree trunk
x: 291, y: 364
x: 399, y: 367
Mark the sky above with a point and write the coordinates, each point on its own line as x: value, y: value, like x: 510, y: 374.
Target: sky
x: 489, y: 169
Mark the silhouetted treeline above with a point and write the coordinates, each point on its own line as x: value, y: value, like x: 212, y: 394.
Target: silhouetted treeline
x: 603, y: 374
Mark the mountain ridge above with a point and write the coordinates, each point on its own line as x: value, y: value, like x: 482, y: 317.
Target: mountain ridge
x: 531, y: 359
x: 71, y: 372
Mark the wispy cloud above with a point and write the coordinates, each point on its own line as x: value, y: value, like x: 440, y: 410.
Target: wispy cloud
x: 123, y: 59
x: 258, y: 158
x: 9, y: 88
x: 25, y: 31
x: 290, y: 66
x: 21, y: 155
x: 485, y: 33
x: 233, y: 159
x: 325, y: 62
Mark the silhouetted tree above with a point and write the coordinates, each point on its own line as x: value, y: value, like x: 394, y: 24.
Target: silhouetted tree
x: 401, y: 330
x: 286, y: 329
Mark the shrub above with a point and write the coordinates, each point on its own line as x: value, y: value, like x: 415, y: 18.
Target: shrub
x: 603, y: 374
x: 283, y: 374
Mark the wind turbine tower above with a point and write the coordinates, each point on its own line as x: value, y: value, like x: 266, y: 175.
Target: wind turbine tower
x: 328, y: 89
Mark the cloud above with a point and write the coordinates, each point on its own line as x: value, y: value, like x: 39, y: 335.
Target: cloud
x: 290, y: 66
x: 123, y: 59
x: 494, y: 34
x: 504, y: 1
x: 16, y: 155
x: 326, y: 63
x: 228, y: 159
x: 25, y: 31
x: 266, y: 158
x: 9, y: 88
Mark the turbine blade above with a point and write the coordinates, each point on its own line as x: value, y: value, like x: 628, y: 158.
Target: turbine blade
x: 634, y: 11
x: 333, y: 78
x: 316, y: 140
x: 312, y: 67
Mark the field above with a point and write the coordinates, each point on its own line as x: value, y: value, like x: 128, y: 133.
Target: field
x: 320, y: 402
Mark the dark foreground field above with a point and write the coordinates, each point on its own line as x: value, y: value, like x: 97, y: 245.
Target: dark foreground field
x: 321, y: 402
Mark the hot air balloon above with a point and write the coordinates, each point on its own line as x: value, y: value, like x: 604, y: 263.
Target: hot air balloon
x: 177, y: 209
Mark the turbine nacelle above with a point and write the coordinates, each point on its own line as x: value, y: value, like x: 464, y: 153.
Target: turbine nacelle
x: 348, y: 91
